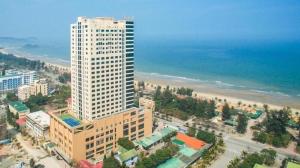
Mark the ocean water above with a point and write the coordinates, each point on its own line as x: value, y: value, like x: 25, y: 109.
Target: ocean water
x: 260, y: 66
x: 269, y: 67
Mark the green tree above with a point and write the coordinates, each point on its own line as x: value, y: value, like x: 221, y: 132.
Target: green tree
x: 141, y: 84
x: 250, y: 160
x: 160, y: 156
x: 17, y: 116
x: 111, y: 162
x: 226, y: 115
x: 64, y: 78
x: 32, y: 163
x: 269, y: 156
x: 242, y: 123
x: 277, y: 121
x: 126, y: 143
x: 210, y: 109
x: 266, y: 107
x: 185, y: 91
x: 12, y: 61
x: 170, y: 104
x: 191, y: 131
x: 36, y: 101
x: 11, y: 97
x: 206, y: 136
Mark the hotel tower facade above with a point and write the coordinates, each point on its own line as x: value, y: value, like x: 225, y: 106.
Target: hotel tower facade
x: 102, y: 64
x: 102, y: 108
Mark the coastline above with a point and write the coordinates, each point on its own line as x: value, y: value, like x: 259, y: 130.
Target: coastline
x: 59, y: 64
x: 210, y: 92
x: 205, y: 90
x: 46, y: 60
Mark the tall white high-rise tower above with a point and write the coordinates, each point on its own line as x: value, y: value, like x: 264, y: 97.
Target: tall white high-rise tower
x: 102, y: 66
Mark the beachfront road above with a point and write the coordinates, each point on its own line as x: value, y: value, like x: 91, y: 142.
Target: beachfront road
x: 235, y: 144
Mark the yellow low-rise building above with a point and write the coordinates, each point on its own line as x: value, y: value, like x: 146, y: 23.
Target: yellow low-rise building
x: 39, y: 86
x: 80, y: 139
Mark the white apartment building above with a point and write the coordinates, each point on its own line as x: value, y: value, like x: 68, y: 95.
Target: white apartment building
x: 38, y: 86
x: 24, y: 92
x: 38, y: 124
x: 102, y: 66
x: 14, y: 79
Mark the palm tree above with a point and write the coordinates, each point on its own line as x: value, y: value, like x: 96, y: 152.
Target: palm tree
x: 239, y: 103
x: 32, y: 163
x: 221, y: 142
x: 266, y: 107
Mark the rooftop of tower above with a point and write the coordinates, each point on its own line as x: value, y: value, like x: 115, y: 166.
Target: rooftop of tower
x: 126, y: 18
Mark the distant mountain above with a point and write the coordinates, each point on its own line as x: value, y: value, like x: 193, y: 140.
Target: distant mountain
x: 30, y: 46
x: 16, y: 39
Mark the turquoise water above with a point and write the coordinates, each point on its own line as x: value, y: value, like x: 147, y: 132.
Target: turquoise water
x: 261, y: 66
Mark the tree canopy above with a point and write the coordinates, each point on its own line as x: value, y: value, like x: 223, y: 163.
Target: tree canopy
x: 242, y: 123
x: 274, y: 128
x: 126, y: 143
x: 12, y: 61
x: 277, y: 121
x: 168, y: 103
x: 158, y: 157
x: 184, y: 91
x: 206, y: 136
x: 64, y: 78
x: 248, y: 160
x: 191, y: 131
x: 226, y: 114
x: 36, y: 101
x: 11, y: 97
x: 111, y: 162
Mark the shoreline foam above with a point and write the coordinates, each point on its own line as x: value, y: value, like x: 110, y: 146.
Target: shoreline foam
x: 206, y: 88
x: 232, y: 95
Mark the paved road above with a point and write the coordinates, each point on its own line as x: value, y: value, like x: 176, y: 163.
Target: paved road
x: 235, y: 144
x: 39, y: 155
x: 233, y: 149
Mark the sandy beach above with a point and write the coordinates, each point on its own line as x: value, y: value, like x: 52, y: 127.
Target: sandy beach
x: 55, y: 63
x: 47, y: 60
x: 206, y: 90
x: 231, y: 95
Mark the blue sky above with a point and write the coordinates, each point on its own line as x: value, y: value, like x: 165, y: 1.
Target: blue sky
x: 157, y: 19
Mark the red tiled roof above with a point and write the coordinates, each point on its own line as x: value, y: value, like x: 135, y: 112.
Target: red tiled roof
x: 190, y: 141
x: 69, y: 100
x: 87, y: 164
x: 21, y: 121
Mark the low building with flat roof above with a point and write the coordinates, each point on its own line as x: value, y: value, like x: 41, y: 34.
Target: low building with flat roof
x: 37, y: 123
x: 21, y: 122
x: 77, y: 139
x: 12, y: 79
x: 127, y: 157
x: 258, y: 166
x: 37, y: 87
x: 292, y: 165
x: 155, y: 138
x: 190, y: 141
x: 17, y: 107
